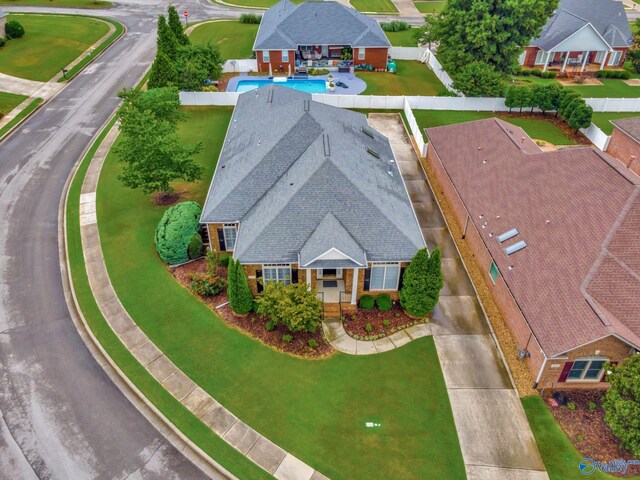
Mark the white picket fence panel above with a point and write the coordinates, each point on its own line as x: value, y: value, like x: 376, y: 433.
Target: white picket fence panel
x: 596, y: 136
x: 243, y: 65
x: 369, y: 102
x: 407, y: 53
x: 430, y: 59
x: 488, y: 104
x: 195, y: 99
x: 416, y: 131
x: 614, y: 104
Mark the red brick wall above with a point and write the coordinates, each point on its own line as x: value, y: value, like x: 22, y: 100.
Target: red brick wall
x: 372, y: 56
x: 623, y: 147
x: 275, y: 58
x: 530, y: 56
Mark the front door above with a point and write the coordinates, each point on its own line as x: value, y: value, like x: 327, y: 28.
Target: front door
x: 330, y: 273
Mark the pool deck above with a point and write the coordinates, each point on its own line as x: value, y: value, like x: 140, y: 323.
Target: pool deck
x: 354, y: 84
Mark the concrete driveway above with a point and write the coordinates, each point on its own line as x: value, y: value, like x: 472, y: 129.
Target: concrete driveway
x: 494, y: 434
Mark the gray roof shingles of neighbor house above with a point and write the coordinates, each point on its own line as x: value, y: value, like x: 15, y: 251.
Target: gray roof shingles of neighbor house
x: 606, y: 16
x: 298, y: 177
x: 630, y: 126
x: 577, y: 210
x: 286, y: 25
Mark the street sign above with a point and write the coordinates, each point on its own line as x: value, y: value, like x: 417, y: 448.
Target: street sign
x: 186, y: 14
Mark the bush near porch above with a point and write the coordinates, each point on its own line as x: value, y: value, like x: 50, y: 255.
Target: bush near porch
x: 373, y: 324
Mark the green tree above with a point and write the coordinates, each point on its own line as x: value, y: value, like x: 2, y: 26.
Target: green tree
x: 489, y: 31
x: 195, y: 246
x: 423, y: 35
x: 541, y: 97
x: 197, y: 63
x: 571, y: 107
x: 232, y: 284
x: 176, y: 26
x: 556, y: 93
x: 633, y: 54
x: 512, y: 98
x: 166, y: 41
x: 421, y: 283
x: 175, y: 231
x: 295, y: 306
x: 240, y: 297
x: 163, y: 72
x: 13, y: 29
x: 479, y: 79
x: 581, y: 117
x: 622, y: 403
x: 566, y: 98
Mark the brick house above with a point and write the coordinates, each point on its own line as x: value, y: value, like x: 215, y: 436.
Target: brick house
x: 316, y: 34
x: 581, y: 36
x: 307, y: 192
x: 557, y: 236
x: 625, y: 142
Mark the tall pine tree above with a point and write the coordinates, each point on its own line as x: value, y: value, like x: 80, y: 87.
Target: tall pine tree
x: 167, y: 42
x: 240, y: 297
x: 163, y: 73
x: 176, y: 26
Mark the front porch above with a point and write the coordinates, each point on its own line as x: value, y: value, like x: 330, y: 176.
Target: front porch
x: 337, y: 289
x: 577, y: 62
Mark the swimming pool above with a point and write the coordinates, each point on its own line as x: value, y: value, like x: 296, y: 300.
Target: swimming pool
x: 304, y: 85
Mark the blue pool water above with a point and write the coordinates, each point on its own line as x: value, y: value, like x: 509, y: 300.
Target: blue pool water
x: 309, y: 86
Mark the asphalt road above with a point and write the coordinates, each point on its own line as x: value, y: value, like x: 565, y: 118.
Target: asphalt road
x: 61, y: 417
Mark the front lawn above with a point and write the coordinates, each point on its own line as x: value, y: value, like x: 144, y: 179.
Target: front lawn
x: 539, y: 129
x: 51, y: 42
x: 610, y: 88
x: 431, y: 6
x: 9, y: 101
x: 255, y: 3
x: 58, y: 3
x: 402, y: 39
x: 603, y: 120
x: 316, y: 409
x: 374, y: 6
x: 234, y: 39
x: 413, y: 78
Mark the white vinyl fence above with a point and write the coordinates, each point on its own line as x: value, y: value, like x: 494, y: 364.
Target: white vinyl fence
x: 430, y: 59
x: 407, y: 53
x: 614, y: 104
x: 242, y: 66
x: 416, y: 131
x: 597, y: 136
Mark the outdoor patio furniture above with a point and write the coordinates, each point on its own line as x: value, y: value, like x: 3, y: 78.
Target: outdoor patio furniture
x: 317, y: 55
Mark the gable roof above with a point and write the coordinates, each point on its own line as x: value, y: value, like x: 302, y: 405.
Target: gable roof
x: 297, y: 176
x: 287, y: 25
x: 630, y: 126
x: 578, y: 212
x: 607, y: 17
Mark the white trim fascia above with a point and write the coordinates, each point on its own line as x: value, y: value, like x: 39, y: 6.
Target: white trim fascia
x: 588, y: 24
x: 613, y: 334
x: 334, y: 249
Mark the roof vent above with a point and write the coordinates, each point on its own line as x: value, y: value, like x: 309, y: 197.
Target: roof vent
x: 325, y: 143
x: 516, y: 247
x: 373, y: 152
x: 367, y: 132
x: 306, y: 105
x: 507, y: 235
x: 484, y: 161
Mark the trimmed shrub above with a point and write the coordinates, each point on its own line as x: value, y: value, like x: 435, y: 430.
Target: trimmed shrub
x: 536, y: 72
x: 317, y: 71
x: 592, y: 406
x: 3, y: 42
x: 383, y: 302
x: 368, y: 328
x: 312, y: 343
x: 421, y: 283
x: 621, y: 402
x: 270, y: 326
x: 601, y: 73
x: 240, y: 297
x: 251, y: 18
x: 525, y: 72
x: 571, y: 406
x: 394, y: 26
x: 207, y: 285
x: 287, y: 338
x: 13, y: 29
x: 553, y: 74
x: 224, y: 259
x: 625, y: 75
x: 367, y: 302
x: 175, y: 231
x: 386, y: 323
x: 195, y: 247
x: 294, y: 306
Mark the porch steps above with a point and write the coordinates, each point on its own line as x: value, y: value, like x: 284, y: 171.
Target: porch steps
x: 331, y: 310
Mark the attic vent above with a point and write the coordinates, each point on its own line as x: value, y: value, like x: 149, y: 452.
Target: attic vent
x: 373, y: 152
x: 516, y: 247
x: 507, y: 235
x: 306, y: 105
x: 367, y: 132
x: 325, y: 143
x: 270, y: 97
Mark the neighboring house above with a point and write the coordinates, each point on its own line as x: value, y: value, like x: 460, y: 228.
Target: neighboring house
x: 625, y: 142
x: 316, y: 34
x: 307, y: 192
x: 557, y: 237
x: 581, y: 35
x: 3, y: 22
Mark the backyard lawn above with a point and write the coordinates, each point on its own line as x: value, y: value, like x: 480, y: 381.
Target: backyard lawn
x: 51, y: 42
x: 58, y: 3
x: 431, y: 6
x: 9, y: 101
x: 316, y: 409
x: 610, y: 89
x: 538, y: 129
x: 255, y: 3
x: 402, y: 39
x: 413, y: 78
x: 602, y: 120
x: 234, y: 39
x: 374, y: 6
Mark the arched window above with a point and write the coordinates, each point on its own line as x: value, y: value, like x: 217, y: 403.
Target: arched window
x: 587, y: 369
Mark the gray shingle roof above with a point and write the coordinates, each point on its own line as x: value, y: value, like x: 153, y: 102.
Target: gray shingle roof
x: 630, y: 126
x: 606, y: 16
x: 286, y: 26
x: 298, y: 177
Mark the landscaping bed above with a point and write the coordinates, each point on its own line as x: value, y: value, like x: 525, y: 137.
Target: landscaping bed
x: 382, y: 324
x: 253, y: 324
x: 585, y: 425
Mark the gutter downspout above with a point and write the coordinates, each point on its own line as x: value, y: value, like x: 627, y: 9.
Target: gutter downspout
x: 544, y: 364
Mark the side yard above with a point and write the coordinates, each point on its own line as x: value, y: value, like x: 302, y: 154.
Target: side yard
x: 9, y: 101
x: 382, y: 6
x: 234, y: 39
x: 603, y: 120
x: 413, y: 78
x: 610, y: 88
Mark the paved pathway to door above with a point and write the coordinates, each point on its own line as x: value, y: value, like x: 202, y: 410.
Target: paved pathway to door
x: 494, y: 434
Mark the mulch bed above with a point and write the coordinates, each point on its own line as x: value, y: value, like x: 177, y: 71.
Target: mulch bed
x: 550, y: 117
x: 586, y: 428
x: 253, y: 324
x: 355, y: 323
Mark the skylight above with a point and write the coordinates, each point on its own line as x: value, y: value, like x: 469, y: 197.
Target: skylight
x: 516, y: 247
x: 507, y: 235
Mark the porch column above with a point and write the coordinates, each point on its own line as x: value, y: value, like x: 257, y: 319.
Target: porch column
x: 546, y: 61
x: 584, y: 60
x: 604, y: 60
x: 566, y: 59
x: 354, y: 285
x: 309, y: 270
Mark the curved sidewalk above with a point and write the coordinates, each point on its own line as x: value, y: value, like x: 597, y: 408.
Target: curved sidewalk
x: 225, y: 424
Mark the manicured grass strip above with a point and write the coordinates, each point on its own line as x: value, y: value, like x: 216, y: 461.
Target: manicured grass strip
x: 430, y: 6
x: 255, y: 3
x: 50, y: 43
x: 58, y: 3
x: 402, y: 39
x: 374, y: 6
x: 610, y: 88
x: 98, y: 50
x: 603, y: 120
x: 558, y: 453
x: 234, y: 39
x: 23, y: 114
x: 412, y: 78
x: 188, y: 424
x: 315, y: 409
x: 9, y: 101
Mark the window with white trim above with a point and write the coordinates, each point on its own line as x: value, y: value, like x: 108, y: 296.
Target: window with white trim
x: 277, y: 272
x: 285, y: 55
x: 587, y: 369
x: 540, y: 57
x: 614, y: 57
x: 265, y: 56
x: 600, y: 57
x: 521, y: 58
x: 230, y: 234
x: 361, y: 53
x: 384, y: 276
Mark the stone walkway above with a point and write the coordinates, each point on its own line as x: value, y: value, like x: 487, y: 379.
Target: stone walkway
x: 234, y: 431
x: 343, y: 342
x: 494, y: 434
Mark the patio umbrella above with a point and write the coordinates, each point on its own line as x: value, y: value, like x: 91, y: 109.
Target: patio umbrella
x: 270, y: 72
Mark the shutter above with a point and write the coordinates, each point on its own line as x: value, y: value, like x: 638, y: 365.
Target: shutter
x: 604, y: 373
x: 367, y: 279
x: 223, y: 247
x: 258, y: 282
x: 402, y: 269
x: 294, y: 275
x: 565, y: 372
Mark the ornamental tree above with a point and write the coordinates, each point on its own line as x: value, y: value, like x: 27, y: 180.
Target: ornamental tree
x: 175, y: 231
x: 14, y: 29
x: 163, y: 73
x: 166, y: 41
x: 240, y: 297
x: 294, y: 306
x: 421, y: 283
x: 581, y: 117
x: 622, y: 403
x: 176, y: 26
x: 479, y: 79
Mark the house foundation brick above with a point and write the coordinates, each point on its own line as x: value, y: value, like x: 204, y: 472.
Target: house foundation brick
x: 625, y: 149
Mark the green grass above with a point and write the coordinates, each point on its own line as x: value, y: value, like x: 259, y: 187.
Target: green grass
x: 539, y: 129
x: 430, y: 6
x: 58, y: 3
x: 234, y: 39
x: 315, y: 409
x: 558, y: 453
x: 23, y: 114
x: 413, y: 78
x: 603, y: 120
x: 611, y: 88
x: 255, y: 3
x: 9, y: 101
x: 374, y: 6
x: 402, y: 39
x: 50, y: 43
